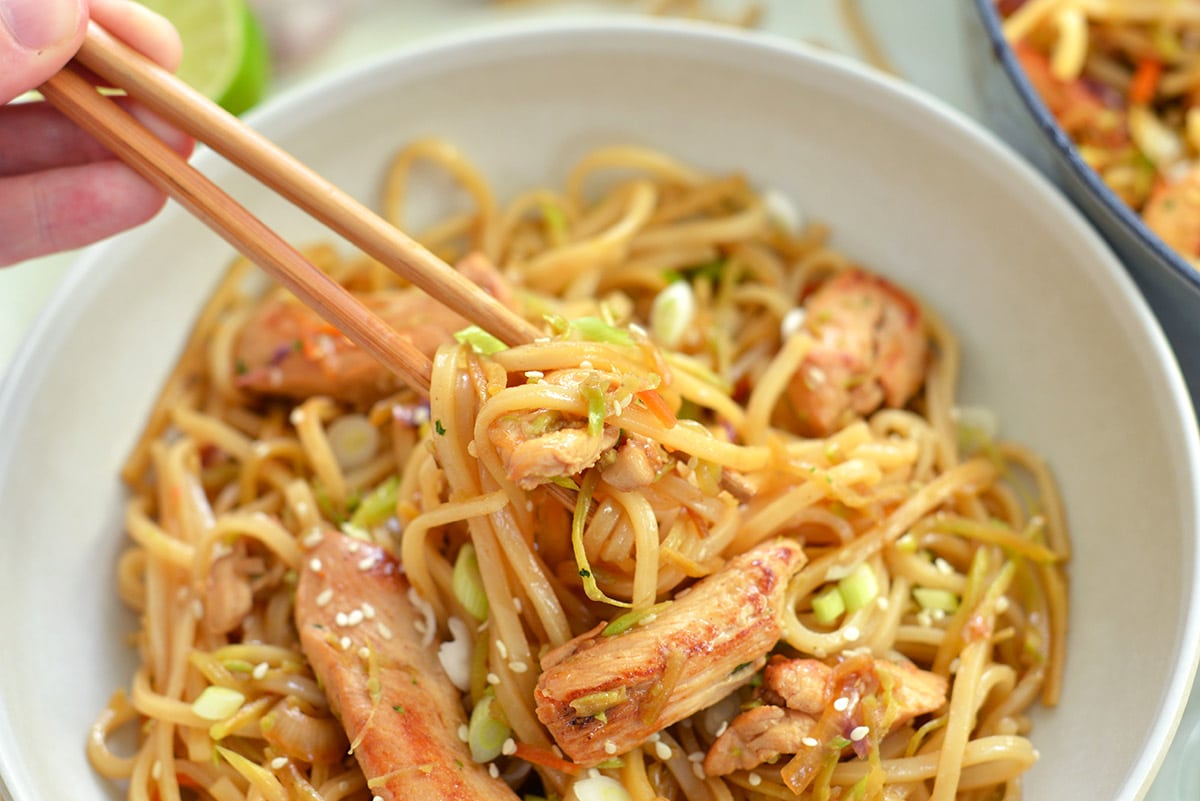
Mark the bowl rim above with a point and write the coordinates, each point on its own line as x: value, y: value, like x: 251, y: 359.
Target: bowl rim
x: 43, y: 335
x: 1117, y: 209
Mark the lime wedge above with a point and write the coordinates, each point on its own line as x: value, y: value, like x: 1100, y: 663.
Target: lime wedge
x: 225, y: 56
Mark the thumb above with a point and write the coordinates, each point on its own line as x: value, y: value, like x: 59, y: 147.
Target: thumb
x: 37, y: 37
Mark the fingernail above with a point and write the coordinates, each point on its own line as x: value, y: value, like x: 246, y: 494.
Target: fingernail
x: 39, y: 24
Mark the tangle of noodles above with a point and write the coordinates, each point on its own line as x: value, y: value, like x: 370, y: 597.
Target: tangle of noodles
x: 1122, y: 77
x: 962, y: 534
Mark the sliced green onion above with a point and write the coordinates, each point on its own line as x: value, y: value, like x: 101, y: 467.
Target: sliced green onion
x: 625, y: 622
x: 353, y: 440
x: 936, y: 598
x: 600, y: 788
x: 583, y: 502
x: 467, y: 583
x: 828, y: 605
x: 596, y: 330
x: 566, y: 482
x: 672, y: 313
x: 588, y: 706
x: 378, y: 505
x: 487, y: 730
x: 859, y: 588
x: 556, y: 222
x: 218, y: 703
x: 595, y: 406
x: 480, y: 341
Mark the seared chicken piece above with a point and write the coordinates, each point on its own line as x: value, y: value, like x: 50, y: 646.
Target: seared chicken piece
x: 601, y: 696
x: 800, y: 693
x: 1173, y: 212
x: 286, y: 350
x: 398, y: 707
x: 870, y: 351
x: 540, y: 446
x: 637, y: 463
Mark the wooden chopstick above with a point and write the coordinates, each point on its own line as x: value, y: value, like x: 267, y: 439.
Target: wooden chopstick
x: 130, y: 141
x: 190, y: 111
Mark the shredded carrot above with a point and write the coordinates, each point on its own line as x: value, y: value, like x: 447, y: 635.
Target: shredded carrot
x: 546, y: 758
x: 1145, y: 81
x: 657, y: 406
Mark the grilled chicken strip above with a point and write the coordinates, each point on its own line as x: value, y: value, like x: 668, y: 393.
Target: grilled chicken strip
x: 799, y: 693
x: 286, y: 350
x: 870, y: 351
x: 601, y: 695
x: 389, y: 690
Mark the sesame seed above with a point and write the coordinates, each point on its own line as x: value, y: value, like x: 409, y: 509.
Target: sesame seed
x: 325, y: 596
x: 754, y: 779
x: 314, y: 537
x: 924, y: 619
x: 279, y: 762
x: 509, y: 748
x: 376, y: 798
x: 610, y: 747
x: 368, y: 611
x: 352, y: 546
x: 493, y: 771
x: 518, y: 667
x: 1002, y: 604
x: 943, y: 567
x: 811, y: 742
x: 841, y: 704
x: 937, y: 614
x: 340, y: 619
x: 883, y: 602
x: 586, y: 364
x: 517, y: 604
x: 492, y: 678
x: 698, y: 770
x: 197, y: 608
x: 723, y: 727
x: 296, y: 417
x: 696, y: 756
x: 355, y: 617
x: 502, y: 649
x: 534, y: 374
x: 662, y: 750
x: 528, y: 505
x: 954, y: 665
x: 156, y: 770
x: 654, y: 738
x: 858, y: 733
x: 314, y: 565
x: 384, y: 631
x: 464, y: 732
x: 851, y: 633
x: 260, y: 670
x: 345, y: 643
x: 368, y: 562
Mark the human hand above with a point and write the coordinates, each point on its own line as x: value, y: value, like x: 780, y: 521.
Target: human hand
x: 59, y: 188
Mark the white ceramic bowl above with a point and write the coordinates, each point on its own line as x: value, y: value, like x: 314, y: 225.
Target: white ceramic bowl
x: 1055, y: 338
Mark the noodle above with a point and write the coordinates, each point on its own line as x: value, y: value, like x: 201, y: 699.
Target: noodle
x: 947, y: 545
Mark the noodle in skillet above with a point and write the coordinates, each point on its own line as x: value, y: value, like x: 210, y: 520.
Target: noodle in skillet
x: 666, y: 435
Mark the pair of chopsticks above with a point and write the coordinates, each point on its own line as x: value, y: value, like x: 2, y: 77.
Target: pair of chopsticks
x: 160, y: 91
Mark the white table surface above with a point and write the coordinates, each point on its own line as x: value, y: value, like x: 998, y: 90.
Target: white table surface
x: 924, y: 39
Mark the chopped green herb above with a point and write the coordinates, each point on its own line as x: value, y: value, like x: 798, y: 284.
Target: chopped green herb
x: 298, y: 345
x: 630, y: 619
x: 741, y: 667
x: 399, y: 709
x: 585, y: 573
x: 439, y: 428
x: 240, y: 367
